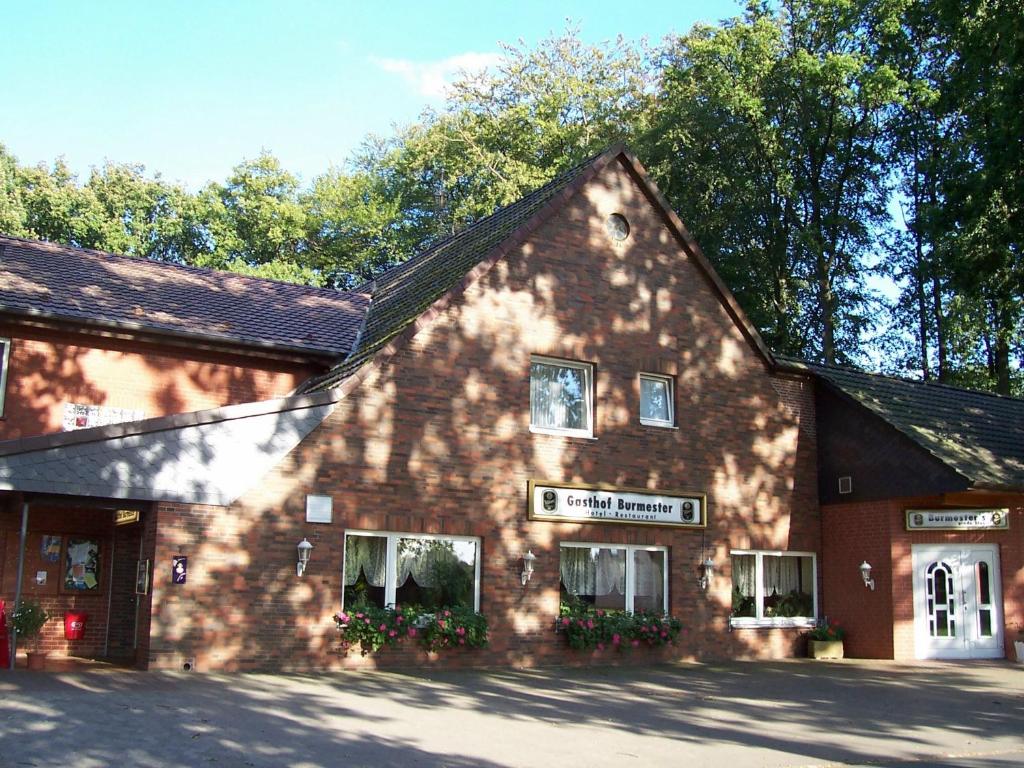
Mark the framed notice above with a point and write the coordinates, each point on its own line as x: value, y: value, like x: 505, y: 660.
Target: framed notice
x: 582, y: 503
x: 142, y: 577
x: 81, y: 565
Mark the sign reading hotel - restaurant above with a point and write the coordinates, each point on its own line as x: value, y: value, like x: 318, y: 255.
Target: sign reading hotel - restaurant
x: 958, y: 519
x: 578, y: 503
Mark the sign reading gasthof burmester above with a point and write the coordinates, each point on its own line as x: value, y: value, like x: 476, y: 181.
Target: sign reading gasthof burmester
x: 958, y: 519
x: 579, y: 503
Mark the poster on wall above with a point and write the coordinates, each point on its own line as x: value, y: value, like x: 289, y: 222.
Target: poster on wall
x: 179, y: 569
x: 81, y: 565
x: 49, y: 549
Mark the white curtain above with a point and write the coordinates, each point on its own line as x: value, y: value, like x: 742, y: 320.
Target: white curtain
x: 419, y: 557
x: 556, y: 396
x: 366, y: 554
x: 744, y: 574
x: 649, y: 574
x: 593, y: 571
x: 781, y: 575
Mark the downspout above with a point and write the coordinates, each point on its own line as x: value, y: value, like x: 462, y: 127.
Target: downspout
x: 21, y: 567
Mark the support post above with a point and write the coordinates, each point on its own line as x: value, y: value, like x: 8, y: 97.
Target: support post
x: 17, y: 586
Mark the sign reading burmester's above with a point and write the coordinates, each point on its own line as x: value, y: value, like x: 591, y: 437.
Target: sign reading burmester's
x: 958, y: 519
x: 579, y: 503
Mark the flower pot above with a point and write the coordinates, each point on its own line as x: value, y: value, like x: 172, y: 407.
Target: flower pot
x: 1018, y: 646
x: 36, y: 660
x: 825, y: 649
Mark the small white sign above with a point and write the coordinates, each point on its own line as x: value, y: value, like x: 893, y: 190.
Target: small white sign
x: 958, y: 519
x: 319, y: 509
x: 574, y: 502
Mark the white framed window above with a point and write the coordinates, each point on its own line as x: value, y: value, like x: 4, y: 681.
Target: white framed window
x: 385, y: 568
x: 5, y: 361
x: 657, y: 408
x: 774, y: 588
x: 561, y: 397
x: 615, y: 576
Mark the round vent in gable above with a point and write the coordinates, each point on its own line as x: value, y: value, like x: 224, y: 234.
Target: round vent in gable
x: 617, y: 227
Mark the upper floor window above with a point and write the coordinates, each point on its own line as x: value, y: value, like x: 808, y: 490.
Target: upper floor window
x: 5, y: 358
x: 656, y: 400
x: 561, y: 397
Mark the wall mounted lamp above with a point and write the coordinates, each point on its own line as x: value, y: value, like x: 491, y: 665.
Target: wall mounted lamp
x: 305, y: 548
x: 528, y: 559
x: 865, y: 573
x: 706, y: 572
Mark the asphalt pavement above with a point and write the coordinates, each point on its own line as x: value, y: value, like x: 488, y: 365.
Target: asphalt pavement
x: 737, y: 714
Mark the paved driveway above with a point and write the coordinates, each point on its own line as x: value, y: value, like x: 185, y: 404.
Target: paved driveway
x: 794, y: 713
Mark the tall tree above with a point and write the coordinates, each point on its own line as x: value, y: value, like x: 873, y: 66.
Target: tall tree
x: 769, y: 136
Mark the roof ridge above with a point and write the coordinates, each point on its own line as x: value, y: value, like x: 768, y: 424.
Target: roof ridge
x: 210, y: 271
x: 900, y: 379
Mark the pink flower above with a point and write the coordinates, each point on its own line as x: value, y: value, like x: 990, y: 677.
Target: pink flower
x: 359, y: 615
x: 366, y: 620
x: 447, y: 614
x: 600, y: 612
x: 382, y: 627
x: 412, y: 631
x: 590, y: 623
x: 460, y: 631
x: 392, y: 633
x: 579, y: 622
x: 462, y: 641
x: 635, y: 643
x: 565, y: 621
x: 664, y: 634
x: 441, y: 623
x: 600, y: 646
x: 616, y: 639
x: 399, y: 620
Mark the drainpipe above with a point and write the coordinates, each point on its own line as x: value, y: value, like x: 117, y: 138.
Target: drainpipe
x: 21, y: 568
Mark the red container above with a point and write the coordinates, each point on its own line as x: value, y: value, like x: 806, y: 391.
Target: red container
x: 74, y: 624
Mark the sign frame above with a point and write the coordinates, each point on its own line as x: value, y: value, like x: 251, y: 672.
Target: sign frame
x: 1001, y: 523
x: 540, y: 515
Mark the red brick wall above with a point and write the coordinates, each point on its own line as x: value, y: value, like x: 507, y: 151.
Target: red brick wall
x: 881, y: 623
x: 49, y: 369
x: 438, y: 441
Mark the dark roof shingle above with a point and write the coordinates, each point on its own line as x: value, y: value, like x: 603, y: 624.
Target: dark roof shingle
x: 403, y: 293
x: 80, y: 285
x: 978, y: 434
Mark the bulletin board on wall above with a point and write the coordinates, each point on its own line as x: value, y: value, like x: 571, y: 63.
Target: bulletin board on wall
x: 55, y: 563
x: 42, y: 563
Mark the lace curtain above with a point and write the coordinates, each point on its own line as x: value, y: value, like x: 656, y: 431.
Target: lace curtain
x: 424, y: 560
x: 587, y: 571
x: 781, y: 575
x: 744, y: 574
x: 556, y: 396
x: 368, y: 554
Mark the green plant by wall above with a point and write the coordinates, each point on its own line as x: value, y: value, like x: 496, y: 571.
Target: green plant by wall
x: 587, y: 628
x: 371, y: 628
x: 28, y: 619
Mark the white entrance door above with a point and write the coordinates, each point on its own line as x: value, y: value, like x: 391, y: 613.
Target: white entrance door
x: 957, y: 605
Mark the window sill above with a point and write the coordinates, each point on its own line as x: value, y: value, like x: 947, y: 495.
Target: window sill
x: 657, y: 424
x: 746, y: 622
x: 561, y: 433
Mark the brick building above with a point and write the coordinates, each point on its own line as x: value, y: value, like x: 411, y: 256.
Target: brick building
x: 567, y: 379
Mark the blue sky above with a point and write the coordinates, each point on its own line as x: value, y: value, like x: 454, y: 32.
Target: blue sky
x: 189, y: 89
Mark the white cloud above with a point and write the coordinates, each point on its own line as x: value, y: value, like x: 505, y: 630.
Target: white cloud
x: 432, y: 78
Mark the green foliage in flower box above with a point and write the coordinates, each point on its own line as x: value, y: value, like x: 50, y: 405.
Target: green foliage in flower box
x: 588, y: 628
x: 371, y: 628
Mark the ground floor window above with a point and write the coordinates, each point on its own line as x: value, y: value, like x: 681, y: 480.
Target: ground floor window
x: 384, y: 569
x: 773, y: 588
x: 629, y: 578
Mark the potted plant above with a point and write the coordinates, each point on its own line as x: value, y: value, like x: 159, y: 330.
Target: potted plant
x: 1018, y: 645
x: 27, y: 621
x: 825, y: 641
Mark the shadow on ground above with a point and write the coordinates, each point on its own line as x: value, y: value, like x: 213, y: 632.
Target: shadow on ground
x: 784, y: 713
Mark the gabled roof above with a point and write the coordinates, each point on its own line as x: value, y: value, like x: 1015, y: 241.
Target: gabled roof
x: 403, y: 294
x: 55, y: 282
x: 977, y: 434
x: 204, y: 457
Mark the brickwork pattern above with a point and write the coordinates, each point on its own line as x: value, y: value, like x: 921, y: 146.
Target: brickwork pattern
x: 438, y: 441
x: 881, y: 623
x: 48, y: 369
